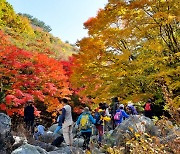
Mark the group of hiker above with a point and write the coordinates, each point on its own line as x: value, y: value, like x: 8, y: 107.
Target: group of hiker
x: 104, y: 118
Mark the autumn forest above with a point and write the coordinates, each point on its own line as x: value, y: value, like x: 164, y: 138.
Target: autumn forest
x: 131, y: 52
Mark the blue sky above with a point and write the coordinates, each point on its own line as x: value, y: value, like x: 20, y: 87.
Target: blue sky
x: 65, y: 17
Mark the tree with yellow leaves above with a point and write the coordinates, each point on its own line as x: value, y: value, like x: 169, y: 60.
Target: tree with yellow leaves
x: 132, y: 52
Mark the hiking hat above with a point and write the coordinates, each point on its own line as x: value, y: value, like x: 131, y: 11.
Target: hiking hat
x: 130, y: 103
x: 30, y: 101
x: 121, y: 106
x: 86, y: 109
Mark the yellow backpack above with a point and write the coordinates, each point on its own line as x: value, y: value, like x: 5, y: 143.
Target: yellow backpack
x: 85, y: 122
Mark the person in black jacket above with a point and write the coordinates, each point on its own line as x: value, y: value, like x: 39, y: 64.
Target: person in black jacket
x: 29, y: 116
x: 115, y: 104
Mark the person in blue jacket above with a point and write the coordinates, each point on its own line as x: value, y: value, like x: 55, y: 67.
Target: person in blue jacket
x: 85, y: 121
x: 59, y: 120
x: 122, y: 114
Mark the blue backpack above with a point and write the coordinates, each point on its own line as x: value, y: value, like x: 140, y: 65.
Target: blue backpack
x: 97, y: 116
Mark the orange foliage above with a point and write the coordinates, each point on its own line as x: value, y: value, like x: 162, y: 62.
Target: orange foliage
x: 26, y: 76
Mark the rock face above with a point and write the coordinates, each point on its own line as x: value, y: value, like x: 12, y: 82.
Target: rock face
x: 6, y: 139
x: 29, y: 149
x: 135, y: 123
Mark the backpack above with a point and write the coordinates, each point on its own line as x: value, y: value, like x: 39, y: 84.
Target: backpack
x: 117, y: 116
x: 148, y: 107
x: 85, y: 122
x: 97, y: 116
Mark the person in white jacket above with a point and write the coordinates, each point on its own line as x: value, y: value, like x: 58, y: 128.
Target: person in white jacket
x: 67, y: 122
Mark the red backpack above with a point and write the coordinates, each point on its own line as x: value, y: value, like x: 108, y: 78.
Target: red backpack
x: 148, y: 107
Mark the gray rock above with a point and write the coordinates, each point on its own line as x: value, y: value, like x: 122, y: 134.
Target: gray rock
x: 172, y: 135
x: 48, y: 137
x: 6, y: 138
x: 19, y: 140
x: 47, y: 146
x: 78, y: 142
x: 53, y: 128
x: 67, y: 150
x: 29, y: 149
x: 126, y: 130
x: 5, y: 124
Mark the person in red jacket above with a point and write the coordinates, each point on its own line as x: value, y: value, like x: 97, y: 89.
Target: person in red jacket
x: 148, y: 109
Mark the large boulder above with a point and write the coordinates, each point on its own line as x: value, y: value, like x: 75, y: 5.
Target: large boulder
x: 29, y: 149
x: 6, y: 138
x: 48, y: 137
x: 53, y: 128
x: 19, y: 141
x: 130, y: 126
x: 78, y: 142
x: 5, y: 124
x: 47, y: 146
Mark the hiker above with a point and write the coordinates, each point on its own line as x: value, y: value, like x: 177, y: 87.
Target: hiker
x: 115, y: 104
x: 120, y: 114
x: 85, y: 121
x: 67, y: 122
x: 131, y: 109
x: 107, y: 113
x: 29, y: 116
x: 98, y: 116
x: 40, y: 131
x: 107, y: 118
x: 59, y: 120
x: 148, y: 109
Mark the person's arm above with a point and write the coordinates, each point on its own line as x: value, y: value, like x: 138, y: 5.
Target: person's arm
x: 63, y: 114
x: 58, y: 119
x: 25, y: 111
x: 125, y: 114
x: 92, y: 119
x: 78, y: 121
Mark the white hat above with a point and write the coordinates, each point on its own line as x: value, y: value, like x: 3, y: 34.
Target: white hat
x: 121, y: 106
x: 130, y: 103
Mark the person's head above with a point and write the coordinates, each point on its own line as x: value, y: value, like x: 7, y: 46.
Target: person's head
x: 149, y: 101
x: 64, y: 101
x: 121, y: 106
x: 130, y: 103
x: 100, y: 105
x: 29, y: 102
x: 86, y: 109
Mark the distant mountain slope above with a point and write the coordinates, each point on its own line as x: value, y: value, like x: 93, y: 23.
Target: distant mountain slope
x: 31, y: 37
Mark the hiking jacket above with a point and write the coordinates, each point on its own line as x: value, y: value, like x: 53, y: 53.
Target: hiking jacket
x: 133, y: 110
x: 66, y: 116
x: 59, y: 120
x: 29, y: 113
x: 92, y: 120
x: 123, y: 114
